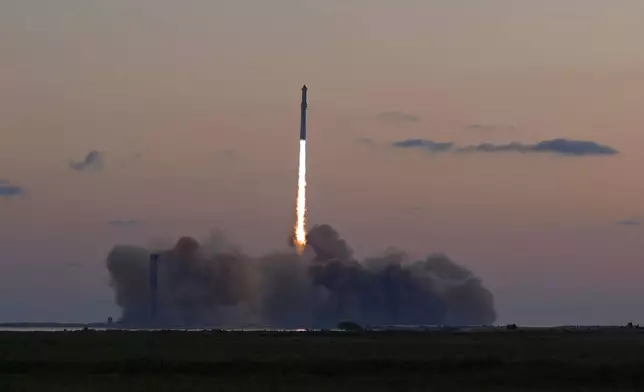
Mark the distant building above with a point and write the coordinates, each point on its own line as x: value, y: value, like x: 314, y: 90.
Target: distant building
x: 154, y: 271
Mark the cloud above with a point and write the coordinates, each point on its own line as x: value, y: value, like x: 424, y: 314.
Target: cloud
x: 482, y: 127
x: 92, y: 162
x: 7, y: 190
x: 554, y: 146
x: 425, y: 144
x: 397, y: 116
x: 411, y: 209
x: 123, y: 223
x: 367, y: 141
x: 227, y: 153
x: 630, y: 222
x: 491, y: 128
x: 126, y: 162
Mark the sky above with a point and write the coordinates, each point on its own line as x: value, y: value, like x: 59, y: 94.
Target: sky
x: 434, y: 126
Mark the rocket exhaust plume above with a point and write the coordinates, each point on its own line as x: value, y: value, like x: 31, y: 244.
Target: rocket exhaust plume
x: 214, y: 283
x: 299, y: 230
x: 300, y: 223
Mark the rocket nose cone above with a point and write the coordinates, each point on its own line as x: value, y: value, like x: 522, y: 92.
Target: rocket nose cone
x: 304, y: 88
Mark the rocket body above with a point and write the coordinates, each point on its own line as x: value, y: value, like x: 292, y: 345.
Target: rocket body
x: 303, y: 115
x: 299, y: 230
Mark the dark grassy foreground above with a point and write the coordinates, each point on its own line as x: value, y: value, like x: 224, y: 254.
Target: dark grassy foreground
x: 543, y: 360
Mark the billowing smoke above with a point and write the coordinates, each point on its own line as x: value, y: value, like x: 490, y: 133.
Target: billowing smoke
x: 216, y: 284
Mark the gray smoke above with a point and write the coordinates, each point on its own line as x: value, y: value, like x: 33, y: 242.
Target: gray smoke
x: 216, y: 284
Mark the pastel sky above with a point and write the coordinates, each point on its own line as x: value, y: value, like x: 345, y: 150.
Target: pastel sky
x: 192, y: 111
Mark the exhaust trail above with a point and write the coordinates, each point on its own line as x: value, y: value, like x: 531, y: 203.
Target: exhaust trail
x: 299, y: 230
x: 300, y: 223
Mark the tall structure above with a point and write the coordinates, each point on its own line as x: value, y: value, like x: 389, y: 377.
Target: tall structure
x: 299, y: 230
x: 154, y: 274
x: 304, y: 107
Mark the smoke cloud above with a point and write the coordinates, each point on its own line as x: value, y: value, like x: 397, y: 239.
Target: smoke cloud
x: 217, y: 284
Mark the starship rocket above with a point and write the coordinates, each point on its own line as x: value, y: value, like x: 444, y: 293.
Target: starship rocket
x: 304, y: 107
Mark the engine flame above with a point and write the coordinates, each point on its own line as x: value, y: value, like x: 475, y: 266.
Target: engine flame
x: 299, y: 233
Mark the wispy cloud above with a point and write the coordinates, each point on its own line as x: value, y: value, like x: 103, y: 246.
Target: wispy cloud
x: 491, y: 127
x: 411, y: 209
x: 7, y: 190
x: 424, y: 144
x: 554, y: 146
x: 482, y: 127
x: 367, y: 141
x: 227, y: 153
x: 94, y: 161
x: 123, y: 223
x: 630, y: 222
x: 560, y: 146
x: 397, y: 116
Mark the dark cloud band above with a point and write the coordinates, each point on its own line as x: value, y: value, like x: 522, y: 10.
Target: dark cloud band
x: 424, y: 144
x: 630, y: 222
x: 554, y: 146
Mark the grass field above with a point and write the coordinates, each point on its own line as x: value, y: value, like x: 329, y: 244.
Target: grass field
x: 538, y: 360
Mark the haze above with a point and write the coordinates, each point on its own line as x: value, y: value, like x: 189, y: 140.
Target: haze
x: 191, y: 109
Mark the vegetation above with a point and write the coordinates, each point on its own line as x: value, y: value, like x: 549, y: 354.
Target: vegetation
x: 491, y: 360
x: 350, y: 326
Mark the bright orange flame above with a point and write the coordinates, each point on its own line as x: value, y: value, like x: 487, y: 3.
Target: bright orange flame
x: 300, y: 207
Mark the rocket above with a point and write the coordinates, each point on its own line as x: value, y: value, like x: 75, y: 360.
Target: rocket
x: 303, y: 116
